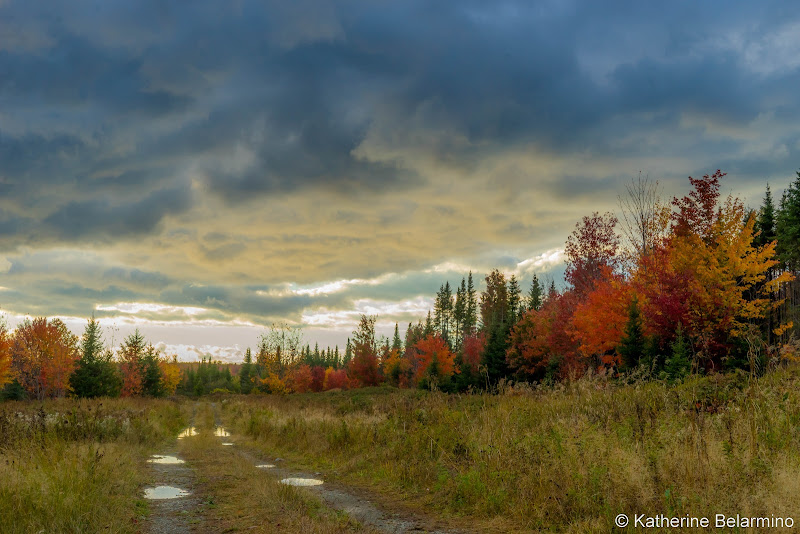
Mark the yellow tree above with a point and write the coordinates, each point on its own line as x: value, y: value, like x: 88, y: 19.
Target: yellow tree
x: 170, y: 374
x: 711, y: 262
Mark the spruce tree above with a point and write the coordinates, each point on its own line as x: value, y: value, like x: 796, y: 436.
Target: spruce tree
x: 788, y: 226
x: 632, y: 345
x: 514, y: 300
x: 765, y: 221
x: 397, y: 344
x: 96, y: 374
x: 245, y: 373
x: 680, y: 362
x: 535, y: 294
x: 348, y: 353
x: 471, y: 321
x: 459, y: 315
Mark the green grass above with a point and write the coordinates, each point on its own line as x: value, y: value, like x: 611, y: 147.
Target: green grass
x: 77, y: 466
x: 566, y: 458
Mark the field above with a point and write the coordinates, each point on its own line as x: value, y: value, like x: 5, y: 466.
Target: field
x: 563, y: 458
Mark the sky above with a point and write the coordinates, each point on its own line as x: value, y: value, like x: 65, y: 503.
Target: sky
x: 203, y: 170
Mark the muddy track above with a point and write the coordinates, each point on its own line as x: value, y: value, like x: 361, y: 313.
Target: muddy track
x: 174, y: 516
x: 354, y: 502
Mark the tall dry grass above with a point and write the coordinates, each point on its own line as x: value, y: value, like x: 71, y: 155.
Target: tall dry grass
x: 567, y: 458
x: 76, y: 466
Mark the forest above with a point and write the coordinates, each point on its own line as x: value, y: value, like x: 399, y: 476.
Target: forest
x: 699, y: 284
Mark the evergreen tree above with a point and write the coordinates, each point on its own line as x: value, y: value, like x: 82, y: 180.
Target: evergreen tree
x: 336, y: 360
x: 245, y: 373
x: 397, y: 344
x: 96, y: 374
x: 428, y: 325
x: 788, y: 226
x: 153, y: 383
x: 535, y: 294
x: 680, y: 362
x: 494, y: 302
x: 442, y: 311
x: 494, y: 357
x: 514, y: 300
x: 765, y: 221
x: 632, y: 346
x: 471, y: 320
x: 348, y: 353
x: 459, y: 315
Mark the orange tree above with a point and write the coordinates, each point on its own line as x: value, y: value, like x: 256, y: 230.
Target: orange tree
x: 43, y: 355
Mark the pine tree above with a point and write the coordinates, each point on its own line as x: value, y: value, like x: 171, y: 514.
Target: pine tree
x: 680, y: 363
x: 535, y: 294
x: 152, y: 383
x: 459, y: 315
x: 96, y: 374
x: 397, y: 344
x: 348, y: 353
x: 788, y: 226
x: 632, y: 346
x: 471, y: 320
x: 514, y: 300
x: 428, y: 325
x: 245, y: 373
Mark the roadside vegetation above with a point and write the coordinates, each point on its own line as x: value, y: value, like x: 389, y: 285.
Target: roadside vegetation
x: 78, y: 466
x: 563, y: 458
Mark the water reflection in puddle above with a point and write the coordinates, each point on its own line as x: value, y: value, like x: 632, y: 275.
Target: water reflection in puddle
x: 164, y: 492
x: 159, y: 459
x: 221, y: 432
x: 265, y: 466
x: 189, y: 432
x: 301, y: 482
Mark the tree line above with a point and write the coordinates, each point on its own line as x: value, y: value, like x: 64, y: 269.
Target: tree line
x: 695, y: 284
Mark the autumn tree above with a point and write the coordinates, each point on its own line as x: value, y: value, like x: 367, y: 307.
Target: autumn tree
x: 5, y: 355
x: 364, y: 365
x: 591, y: 248
x: 132, y: 367
x: 702, y: 279
x: 598, y: 322
x: 435, y: 361
x: 96, y: 374
x: 43, y: 356
x: 170, y: 374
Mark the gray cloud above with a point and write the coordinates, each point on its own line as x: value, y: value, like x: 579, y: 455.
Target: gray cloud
x: 206, y: 155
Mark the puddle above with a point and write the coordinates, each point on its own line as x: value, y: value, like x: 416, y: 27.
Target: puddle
x: 228, y: 444
x: 265, y: 466
x: 221, y: 432
x: 189, y: 432
x: 301, y: 482
x: 164, y: 492
x: 159, y: 459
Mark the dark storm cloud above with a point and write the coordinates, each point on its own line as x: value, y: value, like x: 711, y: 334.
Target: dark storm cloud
x: 119, y: 117
x: 296, y: 91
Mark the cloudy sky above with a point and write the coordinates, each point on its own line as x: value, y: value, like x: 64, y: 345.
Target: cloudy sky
x: 201, y: 170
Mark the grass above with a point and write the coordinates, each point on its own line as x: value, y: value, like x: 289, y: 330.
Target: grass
x: 568, y: 458
x: 240, y: 497
x: 77, y: 466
